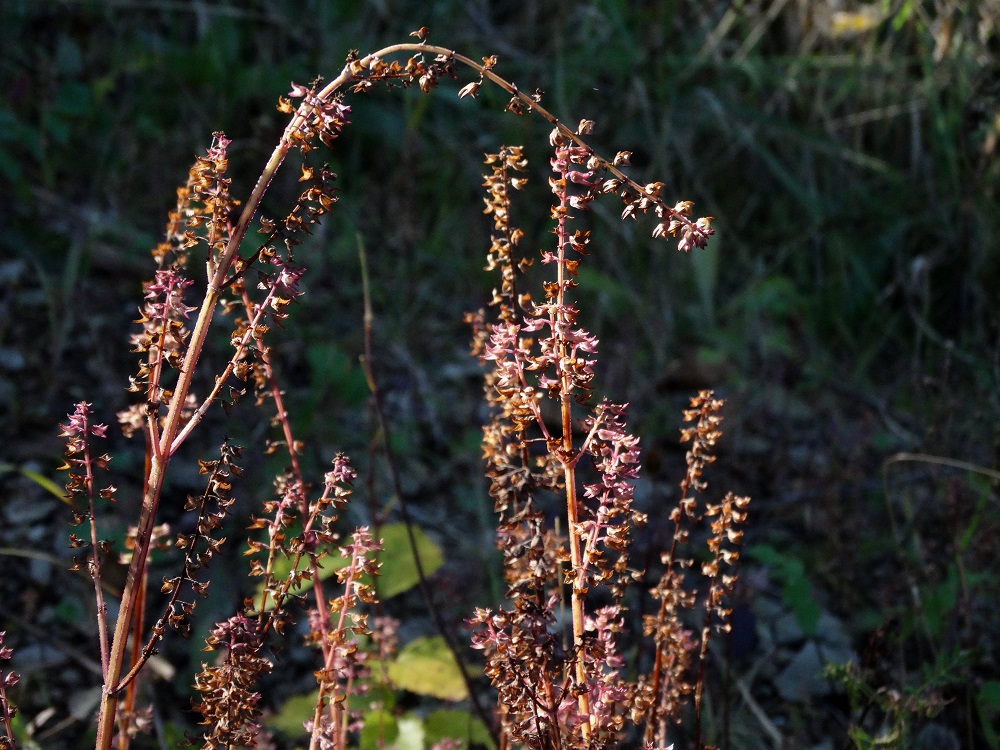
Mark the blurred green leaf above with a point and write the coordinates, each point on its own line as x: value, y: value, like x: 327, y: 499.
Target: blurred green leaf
x: 456, y: 725
x: 289, y: 719
x: 988, y: 707
x: 379, y: 723
x: 411, y: 733
x: 399, y: 572
x: 902, y: 15
x: 939, y: 601
x: 796, y: 588
x: 380, y: 730
x: 56, y: 127
x: 371, y: 691
x: 426, y: 667
x: 70, y: 611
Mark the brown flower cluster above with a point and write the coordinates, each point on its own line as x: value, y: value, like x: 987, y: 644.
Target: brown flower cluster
x: 212, y: 507
x: 366, y: 71
x: 229, y: 696
x: 665, y: 690
x: 201, y: 217
x: 559, y: 684
x: 203, y: 203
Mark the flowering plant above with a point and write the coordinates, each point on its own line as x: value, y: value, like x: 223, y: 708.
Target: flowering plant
x: 560, y: 681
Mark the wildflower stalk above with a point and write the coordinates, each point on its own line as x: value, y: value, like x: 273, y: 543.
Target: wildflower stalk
x: 340, y: 656
x: 79, y: 430
x: 727, y: 535
x: 560, y: 325
x: 254, y: 315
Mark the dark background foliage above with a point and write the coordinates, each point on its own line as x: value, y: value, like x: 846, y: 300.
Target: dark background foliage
x: 846, y: 308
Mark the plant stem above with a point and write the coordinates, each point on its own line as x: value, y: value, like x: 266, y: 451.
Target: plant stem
x: 525, y: 99
x: 560, y: 325
x: 95, y: 559
x: 162, y: 452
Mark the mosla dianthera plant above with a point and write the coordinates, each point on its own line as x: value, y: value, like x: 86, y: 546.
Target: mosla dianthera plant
x: 554, y: 650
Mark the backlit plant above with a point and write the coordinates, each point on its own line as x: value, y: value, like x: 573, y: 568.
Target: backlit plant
x: 555, y: 650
